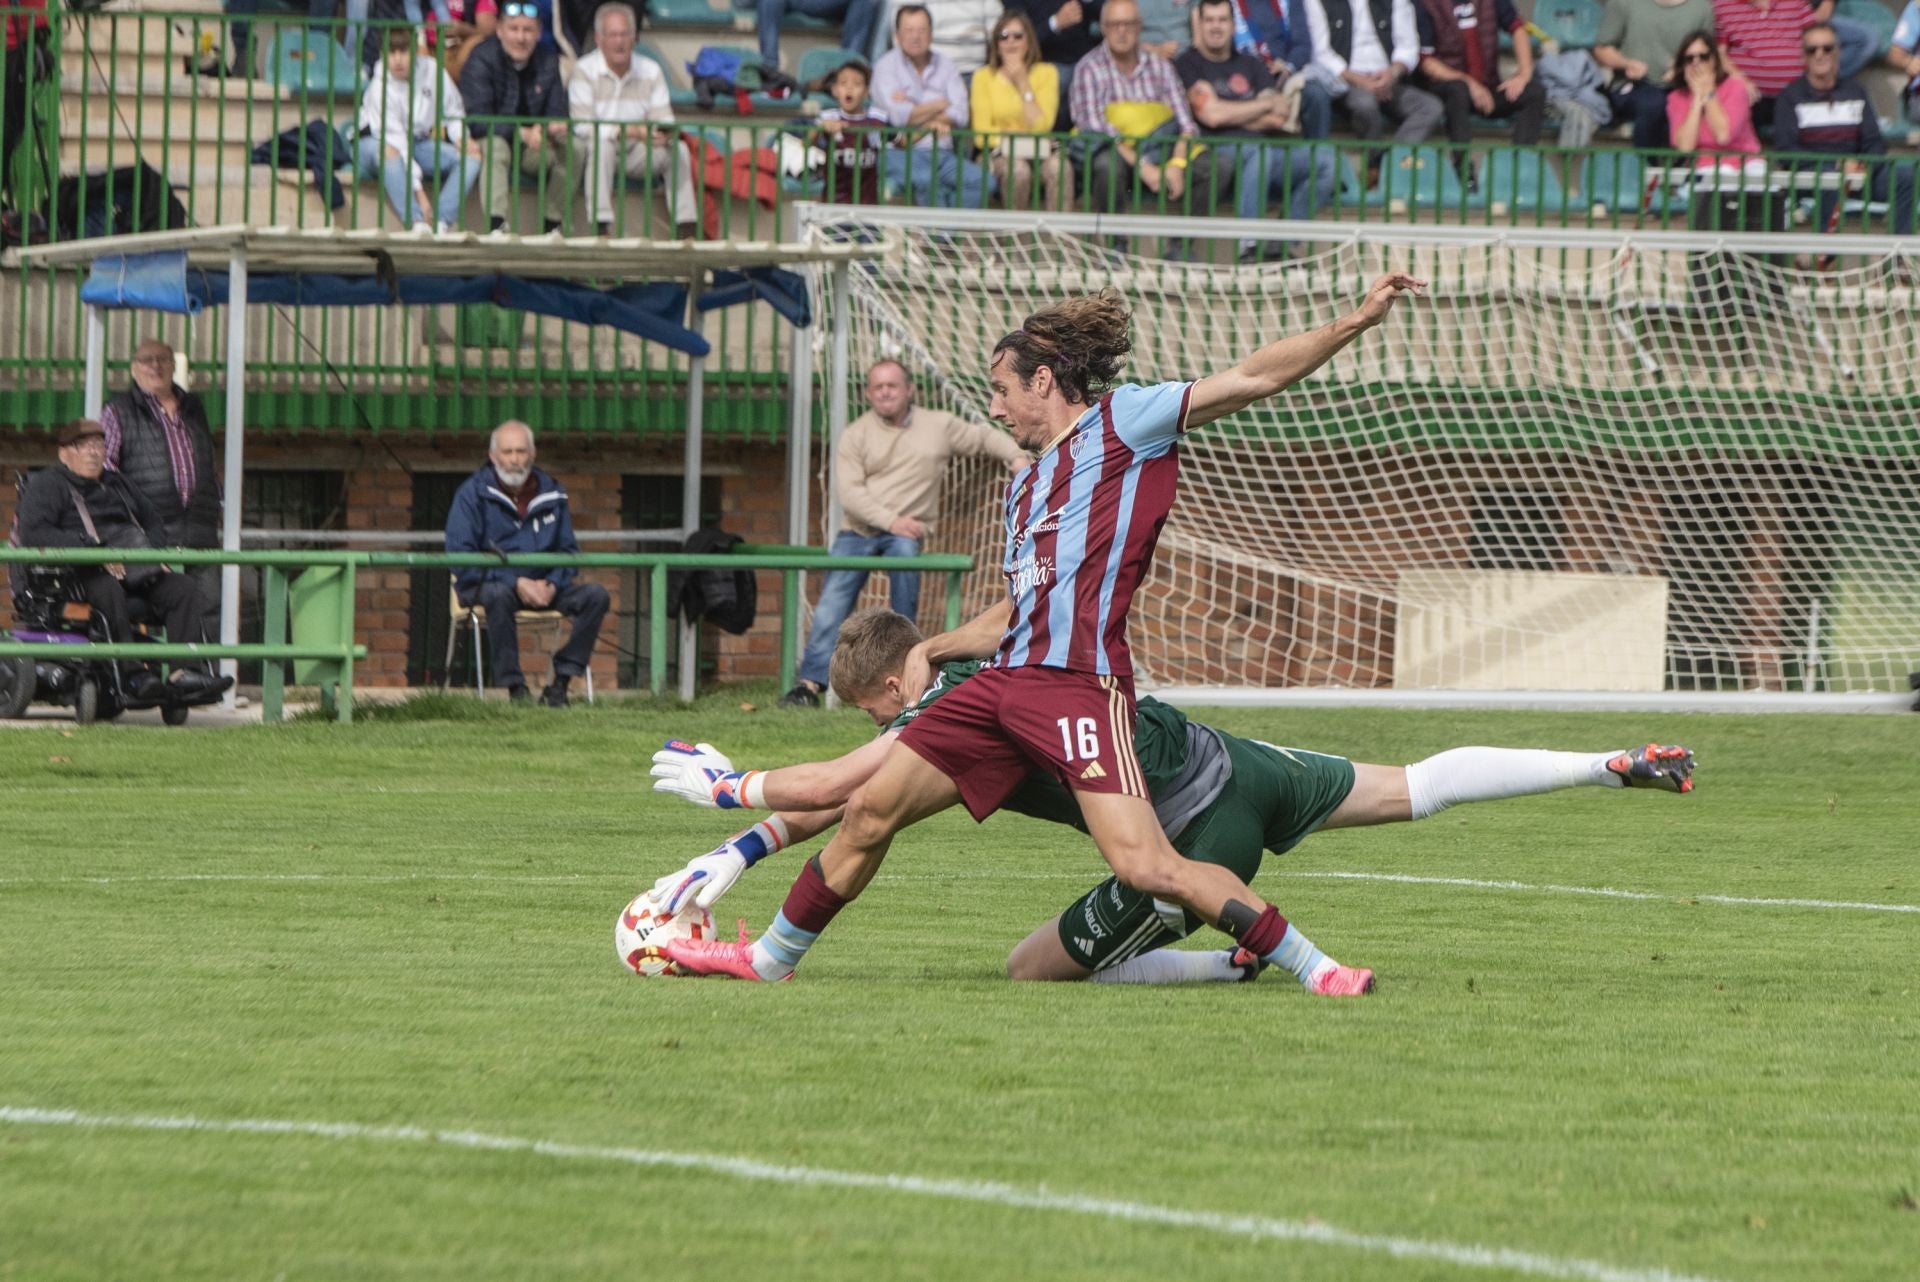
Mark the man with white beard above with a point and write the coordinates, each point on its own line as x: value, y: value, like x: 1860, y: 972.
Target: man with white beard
x: 509, y: 505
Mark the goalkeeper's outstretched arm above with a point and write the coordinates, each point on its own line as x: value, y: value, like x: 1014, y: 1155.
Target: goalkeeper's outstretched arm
x: 1280, y: 365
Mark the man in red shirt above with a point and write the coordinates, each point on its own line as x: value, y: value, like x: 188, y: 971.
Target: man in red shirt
x: 1761, y: 39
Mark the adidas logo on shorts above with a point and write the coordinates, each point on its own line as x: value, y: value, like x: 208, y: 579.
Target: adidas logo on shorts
x: 1094, y: 770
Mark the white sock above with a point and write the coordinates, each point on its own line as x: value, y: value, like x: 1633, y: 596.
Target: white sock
x: 1487, y: 774
x: 1171, y: 966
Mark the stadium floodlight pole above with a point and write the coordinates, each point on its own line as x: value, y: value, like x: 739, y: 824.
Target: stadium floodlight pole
x: 690, y: 482
x: 235, y: 453
x: 96, y: 384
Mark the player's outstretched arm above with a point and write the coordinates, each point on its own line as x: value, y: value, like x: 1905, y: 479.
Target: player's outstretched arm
x: 702, y: 775
x: 704, y: 879
x: 1280, y: 365
x: 977, y: 638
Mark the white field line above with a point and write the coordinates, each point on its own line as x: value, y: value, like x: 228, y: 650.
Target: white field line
x: 1087, y: 876
x: 1604, y: 892
x: 1037, y: 1198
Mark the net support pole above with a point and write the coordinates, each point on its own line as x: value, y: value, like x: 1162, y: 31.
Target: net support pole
x: 799, y: 460
x: 96, y: 385
x: 235, y: 458
x: 690, y: 482
x: 837, y: 392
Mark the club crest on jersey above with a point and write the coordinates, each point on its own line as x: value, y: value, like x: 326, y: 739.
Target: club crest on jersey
x: 1080, y: 441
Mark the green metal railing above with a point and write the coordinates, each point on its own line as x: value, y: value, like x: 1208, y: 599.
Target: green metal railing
x: 110, y: 92
x: 333, y: 649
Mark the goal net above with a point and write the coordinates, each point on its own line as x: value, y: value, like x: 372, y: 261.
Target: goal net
x: 1583, y: 463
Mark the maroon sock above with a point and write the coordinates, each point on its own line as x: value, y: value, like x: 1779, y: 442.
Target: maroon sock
x: 811, y: 904
x: 1268, y: 929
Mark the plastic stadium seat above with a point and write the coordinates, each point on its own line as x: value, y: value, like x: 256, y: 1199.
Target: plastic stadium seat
x: 677, y: 91
x: 1618, y: 180
x: 1573, y: 23
x: 691, y: 12
x: 1421, y: 177
x: 815, y: 63
x: 300, y: 59
x: 1872, y: 14
x: 792, y: 21
x: 1520, y: 180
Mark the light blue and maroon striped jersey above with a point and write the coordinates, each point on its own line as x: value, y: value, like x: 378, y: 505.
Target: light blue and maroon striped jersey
x: 1082, y: 521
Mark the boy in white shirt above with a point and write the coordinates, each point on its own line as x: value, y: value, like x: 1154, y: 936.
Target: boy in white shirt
x: 408, y: 105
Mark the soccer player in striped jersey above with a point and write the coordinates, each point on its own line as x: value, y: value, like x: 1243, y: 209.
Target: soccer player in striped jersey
x: 1218, y: 797
x: 1081, y: 524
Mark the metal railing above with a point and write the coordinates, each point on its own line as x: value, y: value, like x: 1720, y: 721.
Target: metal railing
x: 118, y: 103
x: 334, y: 606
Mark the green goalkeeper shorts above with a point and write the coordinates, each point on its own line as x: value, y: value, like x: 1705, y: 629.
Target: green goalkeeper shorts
x: 1276, y: 797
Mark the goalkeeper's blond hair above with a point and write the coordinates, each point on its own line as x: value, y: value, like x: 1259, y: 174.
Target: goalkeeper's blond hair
x: 873, y: 646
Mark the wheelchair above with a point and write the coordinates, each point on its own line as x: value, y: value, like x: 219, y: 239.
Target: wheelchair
x: 48, y: 606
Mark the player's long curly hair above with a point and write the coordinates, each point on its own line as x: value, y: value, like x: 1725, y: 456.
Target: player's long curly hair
x: 1082, y: 340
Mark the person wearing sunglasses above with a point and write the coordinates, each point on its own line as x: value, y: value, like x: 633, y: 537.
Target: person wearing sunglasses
x: 1761, y: 40
x: 1709, y: 110
x: 1637, y: 41
x: 517, y: 107
x: 1827, y: 112
x: 1015, y: 98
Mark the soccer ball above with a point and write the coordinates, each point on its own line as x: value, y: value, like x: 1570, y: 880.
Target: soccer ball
x: 642, y: 928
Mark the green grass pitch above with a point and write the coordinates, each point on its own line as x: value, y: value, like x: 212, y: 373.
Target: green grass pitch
x: 404, y: 927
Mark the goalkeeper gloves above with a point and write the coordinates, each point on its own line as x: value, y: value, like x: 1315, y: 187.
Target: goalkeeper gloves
x: 702, y: 774
x: 712, y: 875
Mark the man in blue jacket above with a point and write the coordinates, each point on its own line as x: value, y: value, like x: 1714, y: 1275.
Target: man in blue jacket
x: 512, y: 506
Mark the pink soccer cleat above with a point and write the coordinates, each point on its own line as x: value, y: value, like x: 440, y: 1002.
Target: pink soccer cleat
x: 1342, y: 981
x: 1656, y: 765
x: 714, y: 956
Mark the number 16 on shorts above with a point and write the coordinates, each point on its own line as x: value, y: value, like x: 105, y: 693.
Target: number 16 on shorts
x: 1079, y: 739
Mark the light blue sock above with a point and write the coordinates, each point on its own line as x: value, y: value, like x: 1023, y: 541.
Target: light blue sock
x: 777, y: 952
x: 1296, y: 953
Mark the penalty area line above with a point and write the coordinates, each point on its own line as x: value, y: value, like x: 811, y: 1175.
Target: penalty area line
x: 1601, y: 892
x: 1034, y: 1198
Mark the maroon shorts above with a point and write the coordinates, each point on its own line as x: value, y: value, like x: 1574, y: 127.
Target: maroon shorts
x: 1001, y: 724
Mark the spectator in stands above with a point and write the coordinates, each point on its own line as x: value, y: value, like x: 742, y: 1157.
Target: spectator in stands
x: 1638, y: 40
x: 1904, y: 55
x: 1134, y: 102
x: 858, y: 20
x: 916, y: 88
x: 79, y: 504
x: 625, y: 123
x: 509, y: 505
x: 960, y: 30
x: 1708, y: 110
x: 468, y: 22
x: 853, y: 137
x: 1067, y: 29
x: 1460, y: 65
x: 27, y: 33
x: 157, y: 439
x: 1276, y: 32
x: 512, y: 75
x: 1234, y: 97
x: 1760, y: 40
x: 1014, y: 97
x: 1823, y: 111
x: 408, y: 108
x: 888, y: 471
x: 1166, y: 26
x: 1367, y: 52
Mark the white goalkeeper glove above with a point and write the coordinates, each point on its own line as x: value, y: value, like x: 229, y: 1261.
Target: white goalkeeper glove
x: 701, y: 773
x: 712, y: 875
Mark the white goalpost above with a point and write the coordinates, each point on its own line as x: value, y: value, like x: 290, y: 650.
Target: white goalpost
x: 1594, y: 467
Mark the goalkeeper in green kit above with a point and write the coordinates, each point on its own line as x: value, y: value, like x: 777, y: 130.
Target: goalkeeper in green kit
x: 1221, y: 799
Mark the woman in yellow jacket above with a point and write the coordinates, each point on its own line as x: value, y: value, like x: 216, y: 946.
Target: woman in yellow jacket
x: 1015, y: 97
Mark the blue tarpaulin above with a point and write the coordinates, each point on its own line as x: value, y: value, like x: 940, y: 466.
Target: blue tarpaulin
x: 163, y: 282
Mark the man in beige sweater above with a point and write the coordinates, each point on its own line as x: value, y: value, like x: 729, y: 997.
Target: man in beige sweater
x: 888, y: 472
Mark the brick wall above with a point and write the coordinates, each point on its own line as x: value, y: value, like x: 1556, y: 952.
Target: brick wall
x: 379, y: 496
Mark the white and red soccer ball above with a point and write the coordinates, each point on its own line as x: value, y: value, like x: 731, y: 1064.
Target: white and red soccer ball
x: 643, y: 928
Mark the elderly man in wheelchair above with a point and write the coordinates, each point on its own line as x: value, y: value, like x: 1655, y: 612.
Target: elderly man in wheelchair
x: 79, y: 504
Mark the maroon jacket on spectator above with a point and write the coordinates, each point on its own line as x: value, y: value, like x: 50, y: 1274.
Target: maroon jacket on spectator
x: 1476, y: 52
